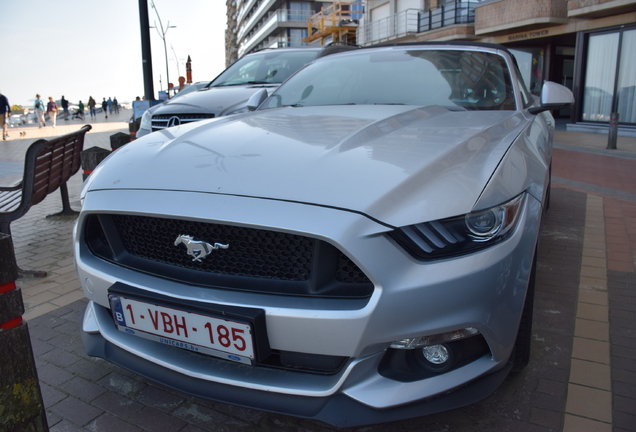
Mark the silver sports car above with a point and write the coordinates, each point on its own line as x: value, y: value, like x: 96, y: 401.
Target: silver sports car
x: 358, y: 248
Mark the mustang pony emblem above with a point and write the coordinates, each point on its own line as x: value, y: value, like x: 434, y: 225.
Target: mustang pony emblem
x: 198, y: 249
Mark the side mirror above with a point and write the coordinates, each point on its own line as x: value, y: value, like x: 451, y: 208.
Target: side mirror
x: 256, y: 99
x: 553, y: 96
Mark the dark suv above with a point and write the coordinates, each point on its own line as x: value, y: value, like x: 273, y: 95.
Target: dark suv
x: 228, y: 93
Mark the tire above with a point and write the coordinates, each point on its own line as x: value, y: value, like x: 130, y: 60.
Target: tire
x: 521, y: 351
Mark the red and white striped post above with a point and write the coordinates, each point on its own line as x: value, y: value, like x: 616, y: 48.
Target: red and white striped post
x: 20, y: 396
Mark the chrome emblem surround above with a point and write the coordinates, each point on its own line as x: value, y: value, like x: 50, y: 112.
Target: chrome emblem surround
x: 174, y: 121
x: 198, y: 249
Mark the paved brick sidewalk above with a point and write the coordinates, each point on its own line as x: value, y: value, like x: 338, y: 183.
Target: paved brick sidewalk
x: 582, y: 375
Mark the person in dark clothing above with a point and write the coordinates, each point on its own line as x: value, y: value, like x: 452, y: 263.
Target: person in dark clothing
x: 105, y: 107
x: 64, y: 103
x: 5, y: 112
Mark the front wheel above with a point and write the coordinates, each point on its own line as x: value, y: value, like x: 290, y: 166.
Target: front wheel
x: 521, y: 352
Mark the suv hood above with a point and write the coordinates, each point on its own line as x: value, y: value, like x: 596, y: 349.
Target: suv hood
x: 388, y: 162
x: 215, y: 100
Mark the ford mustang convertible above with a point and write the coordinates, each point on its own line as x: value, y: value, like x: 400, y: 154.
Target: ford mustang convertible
x: 359, y: 247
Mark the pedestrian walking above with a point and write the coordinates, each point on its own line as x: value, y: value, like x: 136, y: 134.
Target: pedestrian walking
x: 116, y: 105
x: 91, y: 106
x: 110, y: 105
x: 5, y: 112
x: 105, y: 107
x: 39, y: 110
x: 51, y: 110
x: 64, y: 103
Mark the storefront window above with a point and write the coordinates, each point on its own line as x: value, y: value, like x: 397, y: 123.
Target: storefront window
x: 626, y: 91
x: 600, y: 77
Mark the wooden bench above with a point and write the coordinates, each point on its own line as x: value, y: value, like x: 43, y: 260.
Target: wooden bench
x: 48, y: 165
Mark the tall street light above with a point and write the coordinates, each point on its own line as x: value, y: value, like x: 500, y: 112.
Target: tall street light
x: 162, y: 34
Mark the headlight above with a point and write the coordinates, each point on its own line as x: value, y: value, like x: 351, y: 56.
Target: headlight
x: 462, y: 234
x: 146, y: 121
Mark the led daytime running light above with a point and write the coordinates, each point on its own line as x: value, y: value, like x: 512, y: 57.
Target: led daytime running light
x: 418, y: 342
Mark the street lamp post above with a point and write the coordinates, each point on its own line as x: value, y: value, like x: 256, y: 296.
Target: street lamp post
x: 162, y: 34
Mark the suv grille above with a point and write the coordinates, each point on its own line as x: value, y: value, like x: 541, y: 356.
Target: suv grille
x: 255, y: 260
x: 161, y: 121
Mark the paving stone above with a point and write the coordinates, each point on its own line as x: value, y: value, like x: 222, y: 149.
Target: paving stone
x: 159, y: 399
x: 59, y: 357
x: 53, y: 375
x: 117, y: 404
x: 153, y: 420
x: 75, y: 411
x: 109, y: 423
x: 66, y: 426
x: 82, y: 389
x: 118, y: 382
x: 50, y: 395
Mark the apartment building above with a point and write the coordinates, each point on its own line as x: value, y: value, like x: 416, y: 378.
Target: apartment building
x: 587, y: 45
x: 258, y: 24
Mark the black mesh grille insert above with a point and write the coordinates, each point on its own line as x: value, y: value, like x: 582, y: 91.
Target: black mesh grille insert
x: 250, y: 252
x: 245, y: 258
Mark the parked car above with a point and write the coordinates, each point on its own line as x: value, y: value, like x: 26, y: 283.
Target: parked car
x: 360, y: 248
x: 228, y: 93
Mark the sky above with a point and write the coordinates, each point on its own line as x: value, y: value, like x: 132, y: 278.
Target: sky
x: 82, y: 48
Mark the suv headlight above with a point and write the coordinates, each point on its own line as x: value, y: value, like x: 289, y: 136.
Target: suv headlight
x: 461, y: 234
x: 146, y: 121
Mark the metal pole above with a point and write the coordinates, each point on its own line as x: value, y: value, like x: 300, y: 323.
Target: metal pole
x: 165, y: 49
x: 146, y: 56
x: 612, y: 135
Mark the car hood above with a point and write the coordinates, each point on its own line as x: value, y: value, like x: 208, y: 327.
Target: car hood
x: 396, y: 164
x: 214, y: 100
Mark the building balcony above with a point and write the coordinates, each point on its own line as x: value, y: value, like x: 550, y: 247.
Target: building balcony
x: 504, y: 15
x: 446, y: 15
x: 599, y: 8
x: 452, y: 20
x: 393, y: 27
x: 280, y: 18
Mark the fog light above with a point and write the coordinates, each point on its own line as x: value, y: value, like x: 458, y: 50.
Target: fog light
x: 436, y: 358
x: 436, y: 354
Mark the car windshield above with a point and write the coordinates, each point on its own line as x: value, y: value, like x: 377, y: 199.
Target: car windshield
x: 271, y: 67
x: 456, y: 79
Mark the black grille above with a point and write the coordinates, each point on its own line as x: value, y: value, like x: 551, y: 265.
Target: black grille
x: 254, y: 260
x: 251, y: 252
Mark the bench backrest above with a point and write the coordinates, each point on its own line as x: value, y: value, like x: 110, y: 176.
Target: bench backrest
x: 55, y: 161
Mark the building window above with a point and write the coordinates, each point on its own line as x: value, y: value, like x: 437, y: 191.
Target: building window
x: 299, y: 11
x: 296, y: 37
x: 610, y: 81
x: 626, y: 89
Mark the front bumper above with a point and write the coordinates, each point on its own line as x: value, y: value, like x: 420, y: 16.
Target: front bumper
x: 336, y: 409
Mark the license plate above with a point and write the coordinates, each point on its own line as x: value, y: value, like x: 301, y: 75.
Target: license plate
x: 206, y: 334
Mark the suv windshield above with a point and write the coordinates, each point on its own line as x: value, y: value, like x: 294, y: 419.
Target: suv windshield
x: 469, y: 80
x: 271, y: 67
